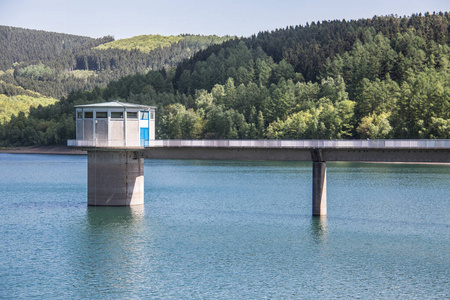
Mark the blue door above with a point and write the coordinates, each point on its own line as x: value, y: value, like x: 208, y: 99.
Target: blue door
x: 144, y: 137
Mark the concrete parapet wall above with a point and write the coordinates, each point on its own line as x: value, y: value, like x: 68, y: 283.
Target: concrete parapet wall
x: 115, y: 178
x: 308, y: 144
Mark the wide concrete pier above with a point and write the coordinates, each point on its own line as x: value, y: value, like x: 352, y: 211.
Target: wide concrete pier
x: 115, y: 178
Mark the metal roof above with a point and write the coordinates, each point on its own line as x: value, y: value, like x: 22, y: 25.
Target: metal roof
x: 114, y: 104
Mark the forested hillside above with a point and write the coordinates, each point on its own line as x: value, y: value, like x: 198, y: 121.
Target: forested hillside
x: 23, y: 45
x: 385, y: 77
x: 54, y: 64
x: 15, y: 99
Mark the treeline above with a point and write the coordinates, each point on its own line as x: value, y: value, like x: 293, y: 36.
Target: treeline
x: 387, y: 77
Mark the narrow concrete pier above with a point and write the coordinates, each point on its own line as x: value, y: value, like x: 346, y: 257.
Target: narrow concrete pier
x: 319, y: 194
x: 115, y: 178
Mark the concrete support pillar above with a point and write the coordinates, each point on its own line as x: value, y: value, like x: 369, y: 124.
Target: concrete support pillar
x: 115, y: 178
x: 319, y: 193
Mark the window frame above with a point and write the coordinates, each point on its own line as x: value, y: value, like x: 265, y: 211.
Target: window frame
x: 103, y: 113
x: 113, y: 114
x: 134, y: 113
x: 143, y: 114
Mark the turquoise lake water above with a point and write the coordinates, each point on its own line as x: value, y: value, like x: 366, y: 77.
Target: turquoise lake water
x: 225, y: 230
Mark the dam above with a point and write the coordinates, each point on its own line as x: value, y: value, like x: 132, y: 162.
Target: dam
x: 126, y: 136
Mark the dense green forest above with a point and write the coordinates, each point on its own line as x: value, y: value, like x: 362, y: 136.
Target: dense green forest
x: 385, y: 77
x: 23, y: 45
x: 55, y: 64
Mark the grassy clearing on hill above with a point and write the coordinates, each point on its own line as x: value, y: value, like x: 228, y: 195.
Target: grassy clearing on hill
x: 83, y: 74
x: 143, y: 43
x: 12, y: 105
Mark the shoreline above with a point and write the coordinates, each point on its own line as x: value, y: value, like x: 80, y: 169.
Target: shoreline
x: 64, y: 150
x: 55, y: 150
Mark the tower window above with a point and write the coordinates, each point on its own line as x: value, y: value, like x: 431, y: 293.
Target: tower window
x: 131, y: 115
x: 117, y: 114
x: 101, y: 114
x: 144, y: 115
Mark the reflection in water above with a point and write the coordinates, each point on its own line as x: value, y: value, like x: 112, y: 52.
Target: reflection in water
x: 124, y: 216
x: 115, y: 251
x: 319, y: 228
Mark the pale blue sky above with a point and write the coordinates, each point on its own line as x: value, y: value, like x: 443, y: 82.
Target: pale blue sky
x: 127, y: 18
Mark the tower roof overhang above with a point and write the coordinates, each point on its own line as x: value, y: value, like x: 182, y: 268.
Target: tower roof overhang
x: 116, y: 104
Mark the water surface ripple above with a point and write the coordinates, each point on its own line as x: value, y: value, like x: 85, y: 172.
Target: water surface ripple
x: 225, y: 230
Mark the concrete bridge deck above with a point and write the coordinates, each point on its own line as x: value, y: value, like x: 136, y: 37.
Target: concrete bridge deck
x: 302, y: 150
x: 296, y: 150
